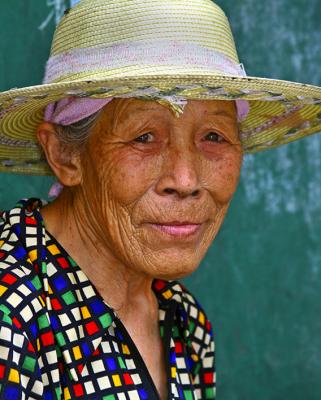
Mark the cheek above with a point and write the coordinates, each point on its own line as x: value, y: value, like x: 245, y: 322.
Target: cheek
x: 222, y: 175
x: 126, y: 174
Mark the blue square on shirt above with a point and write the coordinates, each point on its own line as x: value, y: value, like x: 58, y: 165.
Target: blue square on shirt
x: 54, y: 322
x: 189, y: 362
x: 17, y: 230
x: 19, y: 252
x: 34, y: 329
x: 12, y: 393
x: 173, y: 358
x: 43, y: 253
x: 60, y: 283
x: 98, y: 306
x: 119, y: 335
x: 48, y: 395
x: 85, y: 349
x: 142, y: 394
x: 111, y: 363
x: 30, y: 286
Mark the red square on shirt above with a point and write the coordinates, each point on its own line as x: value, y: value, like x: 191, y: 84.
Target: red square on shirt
x: 2, y: 369
x: 128, y: 379
x: 159, y: 284
x: 16, y: 322
x: 31, y: 221
x: 63, y: 262
x: 91, y: 328
x: 8, y: 278
x: 208, y: 377
x: 47, y: 338
x: 55, y: 304
x: 30, y: 347
x: 79, y: 391
x: 178, y: 347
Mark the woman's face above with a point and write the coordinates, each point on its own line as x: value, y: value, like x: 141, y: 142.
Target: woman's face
x: 157, y: 187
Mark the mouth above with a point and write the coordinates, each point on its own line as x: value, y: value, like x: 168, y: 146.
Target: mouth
x: 178, y: 229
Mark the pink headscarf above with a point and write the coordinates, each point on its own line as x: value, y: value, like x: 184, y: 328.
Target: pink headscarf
x: 73, y: 109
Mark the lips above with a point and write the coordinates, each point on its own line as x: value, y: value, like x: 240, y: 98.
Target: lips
x: 177, y: 223
x: 177, y: 229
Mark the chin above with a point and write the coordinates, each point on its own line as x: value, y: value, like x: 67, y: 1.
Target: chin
x: 175, y: 269
x: 175, y: 275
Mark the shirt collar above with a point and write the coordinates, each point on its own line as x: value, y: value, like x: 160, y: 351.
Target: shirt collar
x: 69, y: 295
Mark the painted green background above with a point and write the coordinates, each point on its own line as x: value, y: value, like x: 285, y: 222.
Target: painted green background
x: 260, y: 282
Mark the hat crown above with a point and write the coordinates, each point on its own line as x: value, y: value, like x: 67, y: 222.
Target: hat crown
x: 95, y: 23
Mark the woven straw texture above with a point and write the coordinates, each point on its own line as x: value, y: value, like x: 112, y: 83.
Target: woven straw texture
x: 280, y: 111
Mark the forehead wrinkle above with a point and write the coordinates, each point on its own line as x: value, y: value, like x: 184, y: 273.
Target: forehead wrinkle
x: 143, y: 109
x: 220, y: 113
x: 160, y: 109
x: 117, y: 112
x: 221, y: 107
x: 134, y: 117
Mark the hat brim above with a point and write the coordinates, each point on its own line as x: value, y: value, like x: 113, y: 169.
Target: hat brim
x: 280, y: 111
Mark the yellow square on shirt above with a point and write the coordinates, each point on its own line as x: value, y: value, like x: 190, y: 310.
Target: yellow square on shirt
x: 14, y: 376
x: 53, y: 249
x: 116, y: 380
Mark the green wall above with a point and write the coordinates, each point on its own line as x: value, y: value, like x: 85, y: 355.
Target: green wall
x: 260, y: 282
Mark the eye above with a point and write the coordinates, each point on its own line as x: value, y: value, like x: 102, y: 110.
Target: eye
x: 214, y: 137
x: 145, y: 138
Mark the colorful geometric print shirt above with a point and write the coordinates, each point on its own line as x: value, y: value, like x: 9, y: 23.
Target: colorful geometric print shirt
x: 60, y: 340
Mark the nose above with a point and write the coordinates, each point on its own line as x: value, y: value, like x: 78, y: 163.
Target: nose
x: 180, y: 173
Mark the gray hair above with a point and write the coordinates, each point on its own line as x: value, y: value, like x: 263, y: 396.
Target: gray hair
x: 75, y: 136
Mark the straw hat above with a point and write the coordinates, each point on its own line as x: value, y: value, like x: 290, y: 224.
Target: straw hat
x: 152, y: 49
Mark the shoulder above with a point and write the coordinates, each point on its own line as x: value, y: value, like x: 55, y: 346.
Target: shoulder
x: 20, y: 289
x: 21, y: 301
x: 21, y: 292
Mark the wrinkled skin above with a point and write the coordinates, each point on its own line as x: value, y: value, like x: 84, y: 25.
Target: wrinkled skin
x: 144, y: 166
x: 175, y: 175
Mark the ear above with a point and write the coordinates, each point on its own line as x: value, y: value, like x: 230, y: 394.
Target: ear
x: 63, y: 161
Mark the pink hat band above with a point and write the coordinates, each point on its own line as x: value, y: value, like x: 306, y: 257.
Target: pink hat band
x: 161, y: 52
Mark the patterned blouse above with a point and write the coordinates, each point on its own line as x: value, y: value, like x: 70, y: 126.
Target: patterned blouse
x: 60, y: 340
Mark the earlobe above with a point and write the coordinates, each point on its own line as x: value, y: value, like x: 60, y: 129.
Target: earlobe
x: 64, y: 162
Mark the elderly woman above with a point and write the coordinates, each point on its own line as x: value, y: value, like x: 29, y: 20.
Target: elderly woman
x: 144, y: 117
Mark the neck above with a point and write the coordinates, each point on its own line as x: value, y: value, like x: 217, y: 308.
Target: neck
x: 127, y: 291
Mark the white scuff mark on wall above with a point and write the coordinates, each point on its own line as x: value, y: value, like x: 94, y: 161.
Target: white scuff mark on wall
x: 57, y: 11
x: 312, y: 212
x: 314, y: 257
x: 286, y: 179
